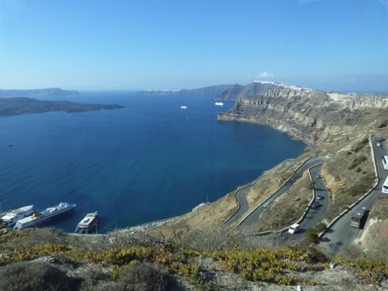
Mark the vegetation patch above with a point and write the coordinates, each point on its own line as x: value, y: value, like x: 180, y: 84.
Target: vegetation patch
x: 348, y: 174
x: 360, y: 145
x: 289, y: 207
x: 357, y: 161
x: 270, y: 266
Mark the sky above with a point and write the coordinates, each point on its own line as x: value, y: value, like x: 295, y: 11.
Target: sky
x: 334, y: 45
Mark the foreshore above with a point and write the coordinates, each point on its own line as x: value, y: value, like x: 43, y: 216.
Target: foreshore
x: 148, y: 225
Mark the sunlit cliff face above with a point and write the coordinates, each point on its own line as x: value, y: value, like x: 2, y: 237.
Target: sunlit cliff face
x: 311, y: 116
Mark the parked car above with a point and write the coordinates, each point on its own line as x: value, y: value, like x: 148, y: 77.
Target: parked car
x: 315, y: 205
x: 319, y: 197
x: 378, y: 144
x: 293, y: 228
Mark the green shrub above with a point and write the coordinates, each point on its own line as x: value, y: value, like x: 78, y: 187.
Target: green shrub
x: 35, y: 276
x: 311, y: 235
x: 360, y: 145
x: 356, y: 162
x: 361, y: 186
x: 320, y: 227
x: 142, y: 277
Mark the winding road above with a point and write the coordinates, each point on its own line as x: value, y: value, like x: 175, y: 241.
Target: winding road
x: 252, y: 217
x: 341, y: 233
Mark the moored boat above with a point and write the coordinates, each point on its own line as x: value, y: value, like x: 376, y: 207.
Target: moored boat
x: 40, y: 217
x: 11, y: 217
x: 87, y: 223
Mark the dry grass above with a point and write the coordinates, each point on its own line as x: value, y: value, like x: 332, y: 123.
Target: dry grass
x: 287, y: 208
x: 348, y: 174
x: 269, y: 182
x: 208, y: 216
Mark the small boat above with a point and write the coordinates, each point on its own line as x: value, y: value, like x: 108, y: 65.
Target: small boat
x: 87, y: 223
x: 11, y: 217
x: 219, y: 104
x: 183, y: 107
x: 40, y: 217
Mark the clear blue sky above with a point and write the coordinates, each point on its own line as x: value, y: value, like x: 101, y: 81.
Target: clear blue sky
x: 142, y: 44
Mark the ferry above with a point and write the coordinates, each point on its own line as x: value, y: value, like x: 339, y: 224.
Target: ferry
x: 87, y: 223
x: 13, y: 216
x: 40, y: 217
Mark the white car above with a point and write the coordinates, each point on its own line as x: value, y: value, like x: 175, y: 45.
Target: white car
x: 293, y: 228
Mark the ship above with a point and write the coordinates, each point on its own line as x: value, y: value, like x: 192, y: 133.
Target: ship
x: 87, y: 223
x: 11, y: 217
x: 219, y: 104
x: 43, y: 216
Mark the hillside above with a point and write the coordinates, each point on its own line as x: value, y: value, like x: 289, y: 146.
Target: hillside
x: 46, y: 259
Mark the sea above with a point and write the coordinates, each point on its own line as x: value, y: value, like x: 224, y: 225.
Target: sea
x: 148, y: 161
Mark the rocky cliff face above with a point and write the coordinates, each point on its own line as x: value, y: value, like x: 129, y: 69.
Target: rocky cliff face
x: 206, y: 91
x: 253, y: 89
x: 224, y: 92
x: 311, y: 116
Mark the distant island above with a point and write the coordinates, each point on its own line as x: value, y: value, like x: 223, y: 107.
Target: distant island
x: 16, y: 102
x: 35, y: 93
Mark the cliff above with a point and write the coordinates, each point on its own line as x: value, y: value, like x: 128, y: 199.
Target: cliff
x: 253, y: 89
x: 309, y: 115
x: 205, y: 91
x: 225, y: 92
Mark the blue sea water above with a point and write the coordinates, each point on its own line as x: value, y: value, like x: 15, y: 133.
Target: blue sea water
x: 148, y: 161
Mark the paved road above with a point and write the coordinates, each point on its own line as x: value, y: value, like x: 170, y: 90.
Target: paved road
x: 241, y: 196
x: 255, y: 215
x: 314, y: 215
x: 341, y: 234
x: 244, y: 205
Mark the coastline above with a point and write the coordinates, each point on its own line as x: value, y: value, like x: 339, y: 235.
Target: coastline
x: 149, y: 225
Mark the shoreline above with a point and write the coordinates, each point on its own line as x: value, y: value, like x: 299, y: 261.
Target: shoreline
x: 149, y: 225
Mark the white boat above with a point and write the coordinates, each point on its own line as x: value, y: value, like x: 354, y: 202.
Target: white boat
x: 40, y: 217
x: 183, y: 107
x: 87, y: 223
x: 11, y: 217
x: 219, y: 104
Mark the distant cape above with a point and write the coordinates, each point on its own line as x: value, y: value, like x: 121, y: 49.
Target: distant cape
x: 224, y: 92
x: 37, y: 92
x: 206, y: 91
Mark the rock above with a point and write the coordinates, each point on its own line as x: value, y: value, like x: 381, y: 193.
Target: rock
x: 308, y: 115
